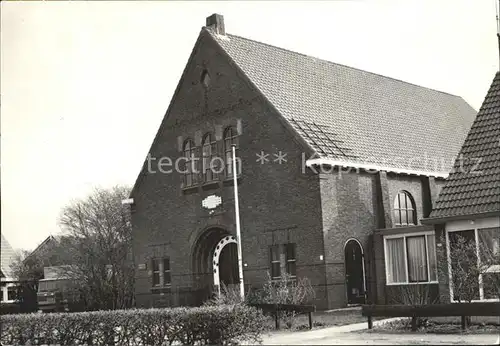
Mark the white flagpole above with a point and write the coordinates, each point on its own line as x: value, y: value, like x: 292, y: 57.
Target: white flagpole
x: 238, y: 230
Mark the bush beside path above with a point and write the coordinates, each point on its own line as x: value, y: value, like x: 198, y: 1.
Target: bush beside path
x: 221, y: 325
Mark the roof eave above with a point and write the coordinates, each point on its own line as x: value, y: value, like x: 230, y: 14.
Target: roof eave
x: 372, y: 167
x: 448, y: 218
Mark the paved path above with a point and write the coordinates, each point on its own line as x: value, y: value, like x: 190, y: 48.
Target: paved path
x: 348, y: 335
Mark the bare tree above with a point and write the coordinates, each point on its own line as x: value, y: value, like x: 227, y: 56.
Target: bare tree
x: 99, y: 234
x: 466, y: 269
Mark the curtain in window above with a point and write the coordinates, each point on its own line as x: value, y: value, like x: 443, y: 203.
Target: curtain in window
x: 431, y: 249
x: 395, y: 260
x: 417, y: 259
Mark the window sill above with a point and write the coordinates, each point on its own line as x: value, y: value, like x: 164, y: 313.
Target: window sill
x: 210, y: 185
x: 491, y: 300
x: 189, y: 189
x: 230, y: 181
x: 161, y: 289
x: 412, y: 283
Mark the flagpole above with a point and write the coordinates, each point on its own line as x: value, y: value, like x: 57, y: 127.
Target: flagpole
x: 238, y: 230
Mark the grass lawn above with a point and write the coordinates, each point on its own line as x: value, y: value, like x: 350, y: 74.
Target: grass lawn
x: 323, y: 319
x: 441, y: 325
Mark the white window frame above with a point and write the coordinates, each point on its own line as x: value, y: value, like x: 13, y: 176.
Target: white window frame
x: 469, y: 225
x: 404, y: 236
x: 5, y: 292
x: 161, y: 272
x: 283, y: 261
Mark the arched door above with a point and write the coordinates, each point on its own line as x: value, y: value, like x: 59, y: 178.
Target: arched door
x: 225, y: 263
x: 228, y: 265
x: 354, y: 272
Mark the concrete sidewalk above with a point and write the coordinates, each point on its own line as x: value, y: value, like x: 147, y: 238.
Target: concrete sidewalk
x: 343, y: 335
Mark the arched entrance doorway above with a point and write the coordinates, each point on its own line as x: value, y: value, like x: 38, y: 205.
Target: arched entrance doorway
x: 225, y: 260
x: 215, y: 260
x: 354, y: 272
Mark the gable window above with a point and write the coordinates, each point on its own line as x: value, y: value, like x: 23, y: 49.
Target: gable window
x: 205, y: 78
x: 283, y: 260
x: 210, y: 172
x: 230, y: 138
x: 161, y: 272
x: 410, y: 258
x: 404, y: 210
x: 190, y: 172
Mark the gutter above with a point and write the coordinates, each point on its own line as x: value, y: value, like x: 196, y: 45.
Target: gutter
x: 444, y: 219
x: 373, y: 167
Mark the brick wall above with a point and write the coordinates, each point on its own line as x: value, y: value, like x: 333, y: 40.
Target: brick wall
x: 350, y: 211
x: 278, y: 202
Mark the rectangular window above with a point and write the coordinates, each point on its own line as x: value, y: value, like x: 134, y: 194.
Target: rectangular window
x: 417, y: 259
x: 11, y: 293
x: 395, y: 259
x: 283, y: 260
x: 410, y: 258
x: 482, y: 246
x: 161, y: 272
x: 275, y: 262
x: 156, y: 272
x: 463, y: 260
x: 489, y: 246
x: 166, y: 272
x: 290, y: 259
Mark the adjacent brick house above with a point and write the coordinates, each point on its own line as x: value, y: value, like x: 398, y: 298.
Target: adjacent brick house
x: 352, y: 156
x: 469, y: 202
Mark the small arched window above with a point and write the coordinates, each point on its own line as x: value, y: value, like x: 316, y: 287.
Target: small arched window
x: 205, y: 79
x: 190, y: 171
x: 404, y: 210
x: 230, y: 138
x: 210, y: 168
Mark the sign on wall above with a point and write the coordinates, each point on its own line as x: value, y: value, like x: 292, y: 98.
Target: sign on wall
x: 211, y: 202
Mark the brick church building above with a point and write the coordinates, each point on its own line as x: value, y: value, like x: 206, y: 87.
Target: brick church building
x: 330, y: 160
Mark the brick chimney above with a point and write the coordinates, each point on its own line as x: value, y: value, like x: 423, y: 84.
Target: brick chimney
x: 216, y: 23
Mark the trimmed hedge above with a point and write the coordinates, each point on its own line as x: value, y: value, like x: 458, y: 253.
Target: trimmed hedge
x: 223, y: 325
x: 10, y: 308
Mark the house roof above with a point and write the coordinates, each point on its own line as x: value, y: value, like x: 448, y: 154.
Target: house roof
x: 352, y: 117
x: 473, y: 186
x: 6, y: 257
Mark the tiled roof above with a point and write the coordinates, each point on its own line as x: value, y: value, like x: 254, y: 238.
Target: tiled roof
x: 363, y: 117
x: 6, y: 257
x: 473, y: 185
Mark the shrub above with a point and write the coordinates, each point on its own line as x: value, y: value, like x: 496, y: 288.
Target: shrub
x: 224, y: 325
x: 287, y: 290
x: 229, y: 295
x: 413, y: 295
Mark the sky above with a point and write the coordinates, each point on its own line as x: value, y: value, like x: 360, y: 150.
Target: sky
x: 85, y: 85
